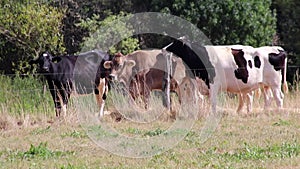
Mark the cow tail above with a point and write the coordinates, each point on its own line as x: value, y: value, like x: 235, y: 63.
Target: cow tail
x: 284, y: 83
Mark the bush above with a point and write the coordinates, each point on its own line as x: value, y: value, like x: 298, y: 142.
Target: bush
x: 26, y: 30
x: 112, y: 34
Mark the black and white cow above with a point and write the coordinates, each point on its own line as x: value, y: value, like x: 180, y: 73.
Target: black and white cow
x: 221, y: 68
x: 273, y: 61
x: 85, y: 69
x: 274, y: 75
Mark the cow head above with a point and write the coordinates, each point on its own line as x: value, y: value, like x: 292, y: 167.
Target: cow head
x: 241, y: 72
x: 44, y: 61
x: 176, y: 47
x: 120, y: 71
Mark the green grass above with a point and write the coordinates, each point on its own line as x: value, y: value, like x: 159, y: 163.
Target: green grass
x: 232, y: 145
x: 41, y: 130
x: 253, y: 152
x: 281, y: 123
x: 74, y: 134
x: 40, y: 152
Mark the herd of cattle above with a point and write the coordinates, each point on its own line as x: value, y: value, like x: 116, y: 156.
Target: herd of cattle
x: 182, y: 67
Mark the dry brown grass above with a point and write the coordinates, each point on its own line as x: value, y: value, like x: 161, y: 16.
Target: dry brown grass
x: 223, y: 149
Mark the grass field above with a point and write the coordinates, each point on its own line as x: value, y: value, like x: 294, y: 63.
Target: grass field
x: 34, y: 138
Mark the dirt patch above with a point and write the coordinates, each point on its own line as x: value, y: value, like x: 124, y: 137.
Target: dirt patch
x: 3, y: 124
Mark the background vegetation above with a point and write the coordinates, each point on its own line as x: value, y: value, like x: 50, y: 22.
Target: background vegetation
x: 30, y: 27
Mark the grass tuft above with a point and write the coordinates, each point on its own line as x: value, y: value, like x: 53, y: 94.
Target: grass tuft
x: 155, y: 132
x: 41, y: 130
x: 75, y: 134
x: 285, y: 150
x: 36, y: 152
x: 281, y: 123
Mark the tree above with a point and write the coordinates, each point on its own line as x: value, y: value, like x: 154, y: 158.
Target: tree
x: 248, y: 22
x: 103, y: 34
x: 78, y: 10
x: 26, y: 29
x: 288, y: 27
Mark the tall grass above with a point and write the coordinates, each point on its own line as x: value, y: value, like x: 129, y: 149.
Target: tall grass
x: 22, y: 96
x: 26, y: 96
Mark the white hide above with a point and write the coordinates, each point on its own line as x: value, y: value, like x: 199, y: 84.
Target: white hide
x: 225, y: 80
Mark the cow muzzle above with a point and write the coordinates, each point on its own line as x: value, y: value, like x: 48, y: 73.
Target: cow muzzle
x: 46, y: 69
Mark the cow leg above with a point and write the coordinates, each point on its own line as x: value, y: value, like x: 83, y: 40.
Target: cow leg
x: 57, y: 102
x: 278, y: 95
x: 241, y: 102
x: 144, y: 89
x: 249, y: 98
x: 267, y: 93
x: 133, y: 89
x: 166, y: 95
x: 178, y: 92
x: 55, y: 97
x: 65, y: 93
x: 146, y: 96
x: 100, y: 93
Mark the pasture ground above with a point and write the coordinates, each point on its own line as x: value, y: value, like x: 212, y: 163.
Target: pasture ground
x: 264, y: 139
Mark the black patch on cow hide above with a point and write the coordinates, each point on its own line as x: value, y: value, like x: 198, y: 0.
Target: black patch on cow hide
x: 196, y: 58
x: 257, y: 62
x: 250, y: 63
x: 241, y: 72
x: 277, y: 60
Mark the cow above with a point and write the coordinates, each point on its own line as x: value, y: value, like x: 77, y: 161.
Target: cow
x: 143, y: 71
x: 61, y: 73
x: 134, y: 62
x: 221, y: 68
x: 274, y: 75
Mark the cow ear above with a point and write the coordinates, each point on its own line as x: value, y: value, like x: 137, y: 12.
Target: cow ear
x: 131, y: 63
x: 56, y: 59
x: 107, y: 64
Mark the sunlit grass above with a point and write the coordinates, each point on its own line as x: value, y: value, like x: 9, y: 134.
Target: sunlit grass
x: 262, y: 139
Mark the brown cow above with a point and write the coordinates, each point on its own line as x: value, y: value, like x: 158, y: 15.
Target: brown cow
x: 146, y: 81
x: 143, y: 71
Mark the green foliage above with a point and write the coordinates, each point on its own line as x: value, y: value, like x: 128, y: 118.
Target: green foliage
x: 113, y: 34
x: 247, y: 22
x: 78, y: 10
x: 26, y: 29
